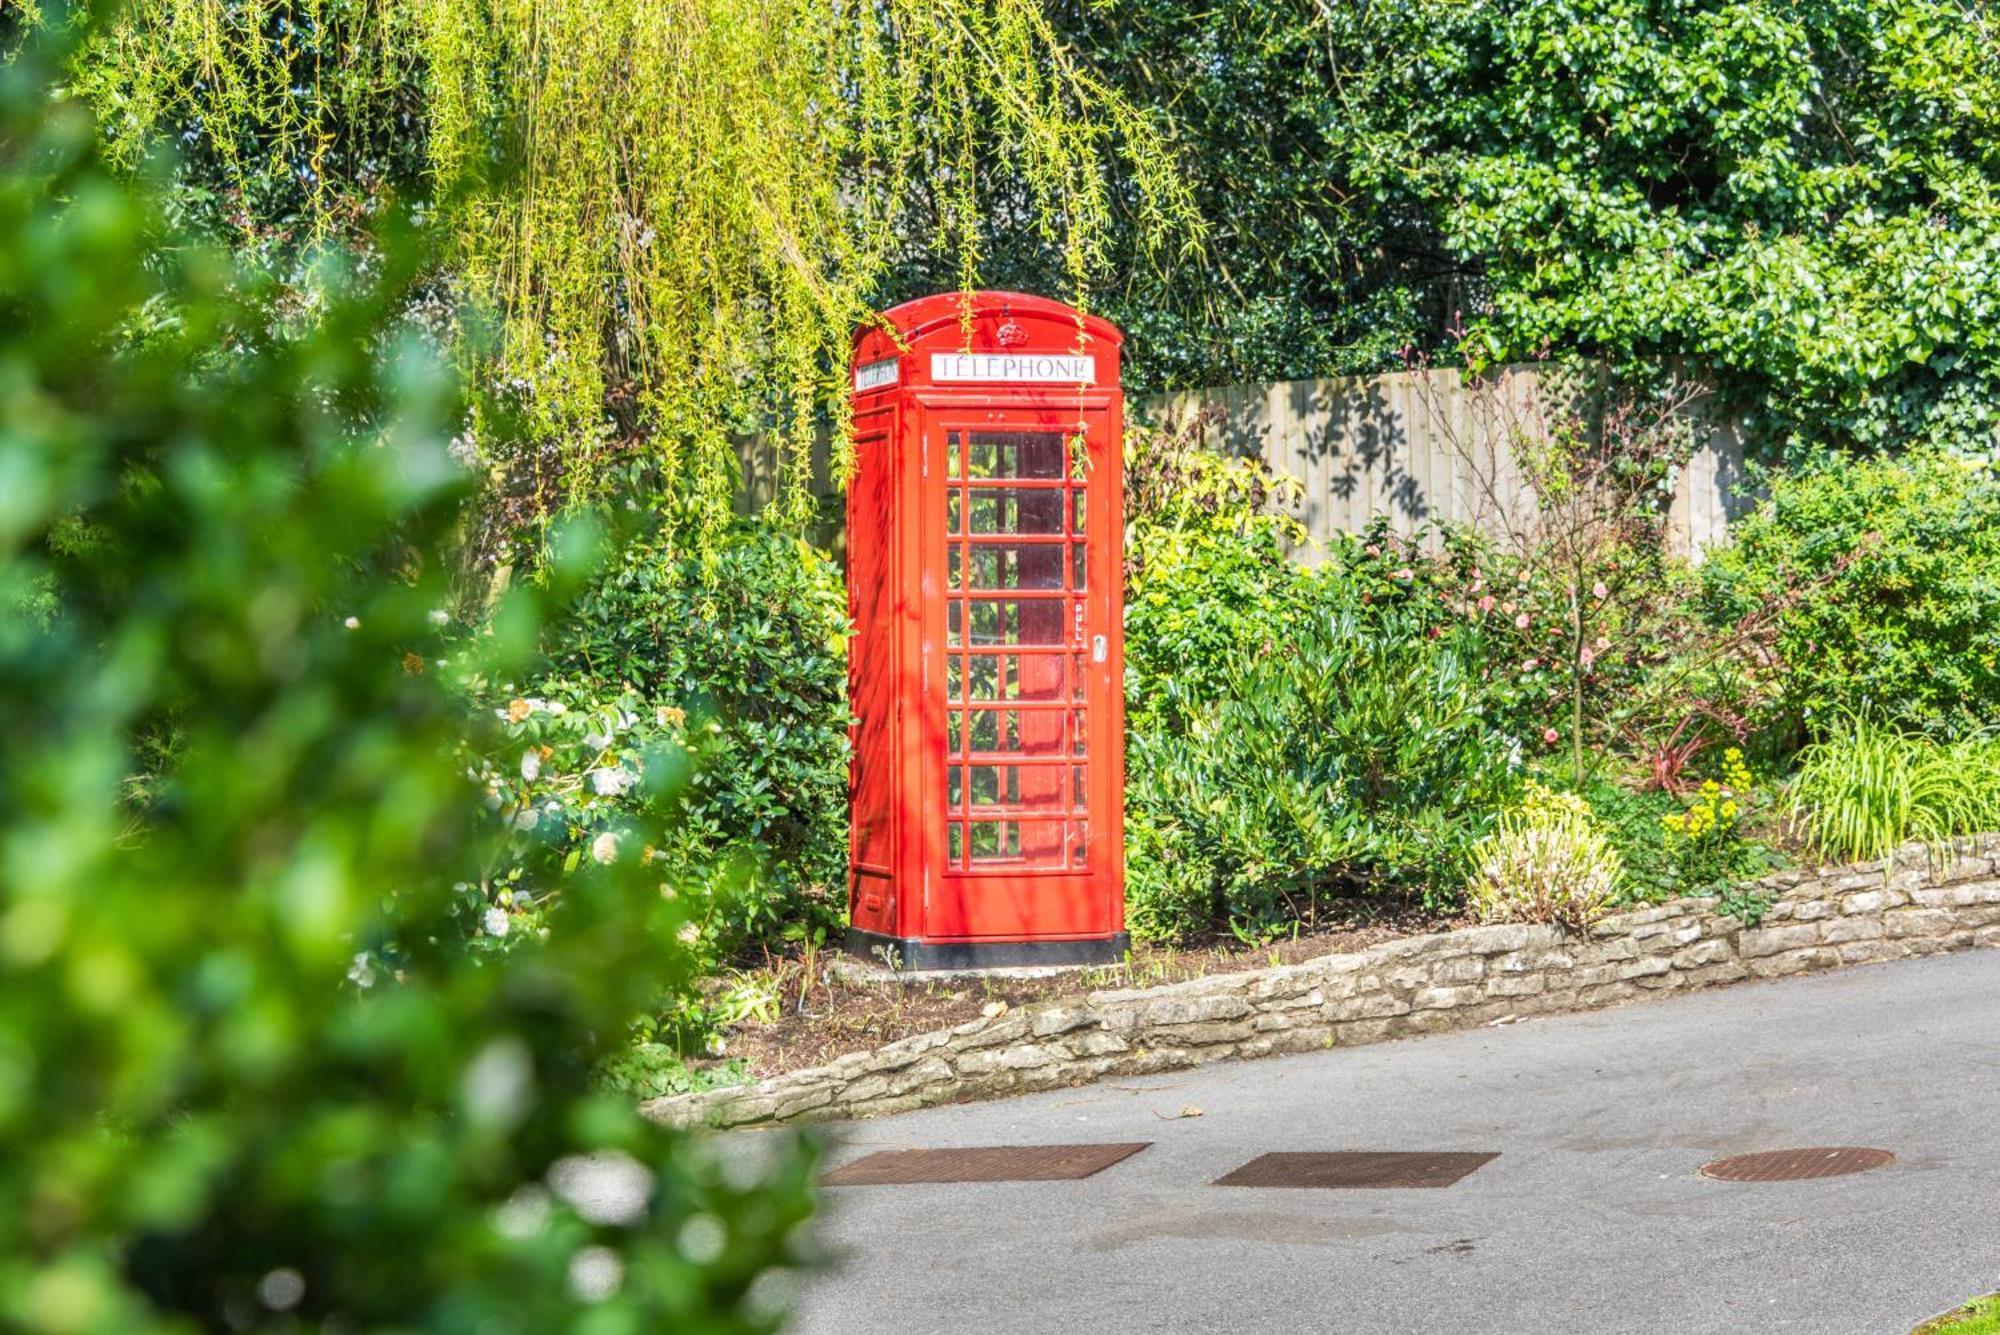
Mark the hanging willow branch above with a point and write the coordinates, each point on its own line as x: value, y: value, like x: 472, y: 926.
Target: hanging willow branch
x: 702, y: 194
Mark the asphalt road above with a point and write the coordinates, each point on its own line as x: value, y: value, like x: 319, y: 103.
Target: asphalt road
x: 1592, y: 1218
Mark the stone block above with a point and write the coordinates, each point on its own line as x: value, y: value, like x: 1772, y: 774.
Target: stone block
x: 1353, y: 1033
x: 1652, y: 966
x: 1702, y: 953
x: 1505, y: 938
x: 1464, y: 969
x: 1202, y: 1034
x: 1053, y: 1020
x: 1756, y: 942
x: 984, y: 1033
x: 1865, y: 901
x: 1918, y: 922
x: 1957, y: 896
x: 1861, y: 927
x: 1870, y: 952
x: 1516, y: 985
x: 1443, y: 998
x: 1793, y: 961
x: 1717, y: 975
x: 1304, y: 1038
x: 1096, y: 1043
x: 1370, y: 1006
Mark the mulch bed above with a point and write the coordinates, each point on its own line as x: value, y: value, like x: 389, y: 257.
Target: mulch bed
x: 827, y: 1015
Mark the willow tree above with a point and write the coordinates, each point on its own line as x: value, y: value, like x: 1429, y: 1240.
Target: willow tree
x: 683, y: 206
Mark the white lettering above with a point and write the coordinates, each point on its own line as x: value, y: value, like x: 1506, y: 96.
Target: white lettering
x: 1040, y: 368
x: 874, y: 375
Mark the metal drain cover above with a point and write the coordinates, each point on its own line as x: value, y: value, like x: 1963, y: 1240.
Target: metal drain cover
x: 989, y: 1163
x: 1797, y: 1165
x: 1356, y: 1169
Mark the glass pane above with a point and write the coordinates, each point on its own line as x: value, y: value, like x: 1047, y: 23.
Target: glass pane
x: 1032, y: 787
x: 954, y: 566
x: 1079, y: 457
x: 1079, y: 511
x: 1016, y: 677
x: 1079, y: 843
x: 1076, y: 677
x: 1011, y: 621
x: 954, y: 504
x: 1019, y: 566
x: 955, y: 843
x: 1077, y: 734
x: 996, y: 730
x: 954, y: 678
x: 1076, y: 568
x: 1007, y: 510
x: 954, y: 622
x: 951, y: 454
x: 954, y: 731
x: 1030, y: 843
x: 954, y: 786
x: 1026, y: 454
x: 1078, y: 788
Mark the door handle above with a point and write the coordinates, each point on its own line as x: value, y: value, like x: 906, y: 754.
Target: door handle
x: 1097, y: 648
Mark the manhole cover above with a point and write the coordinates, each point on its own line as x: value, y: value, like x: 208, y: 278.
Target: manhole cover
x: 1797, y: 1165
x: 990, y: 1163
x: 1356, y: 1169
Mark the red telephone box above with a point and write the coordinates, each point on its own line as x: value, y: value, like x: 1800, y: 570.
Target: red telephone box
x: 986, y: 671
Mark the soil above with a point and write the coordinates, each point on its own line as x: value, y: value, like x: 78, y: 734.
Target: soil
x: 827, y: 1013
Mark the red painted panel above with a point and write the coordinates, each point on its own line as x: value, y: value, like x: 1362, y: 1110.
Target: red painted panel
x: 985, y: 529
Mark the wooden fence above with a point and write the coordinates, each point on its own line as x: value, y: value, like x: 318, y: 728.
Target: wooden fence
x: 1432, y: 446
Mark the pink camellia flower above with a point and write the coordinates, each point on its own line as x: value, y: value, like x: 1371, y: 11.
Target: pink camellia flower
x: 1406, y: 573
x: 1603, y: 643
x: 1521, y: 621
x: 1599, y: 591
x: 1587, y: 657
x: 1551, y: 736
x: 1372, y: 549
x: 1476, y: 575
x: 1529, y: 665
x: 1486, y: 603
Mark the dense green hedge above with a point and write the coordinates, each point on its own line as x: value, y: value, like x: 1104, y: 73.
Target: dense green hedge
x: 1888, y: 575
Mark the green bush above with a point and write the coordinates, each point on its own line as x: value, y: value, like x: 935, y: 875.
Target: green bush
x: 1346, y: 759
x: 1867, y: 789
x: 1887, y: 573
x: 737, y: 655
x: 249, y: 1074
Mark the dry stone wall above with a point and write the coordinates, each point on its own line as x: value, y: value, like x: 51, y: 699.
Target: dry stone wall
x: 1420, y: 985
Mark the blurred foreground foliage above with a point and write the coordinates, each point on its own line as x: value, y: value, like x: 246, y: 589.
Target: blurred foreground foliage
x: 250, y: 1074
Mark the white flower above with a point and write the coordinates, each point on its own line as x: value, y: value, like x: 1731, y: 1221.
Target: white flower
x: 496, y: 922
x: 597, y: 741
x: 531, y: 764
x: 604, y: 848
x: 527, y: 819
x: 361, y: 973
x: 440, y: 617
x: 557, y: 707
x: 611, y: 781
x: 352, y: 623
x: 688, y: 934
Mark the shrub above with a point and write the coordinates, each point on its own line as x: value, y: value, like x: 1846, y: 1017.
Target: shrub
x: 1705, y: 843
x: 1547, y: 862
x: 1905, y: 623
x: 215, y: 1116
x: 735, y: 658
x: 1347, y: 759
x: 1869, y: 788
